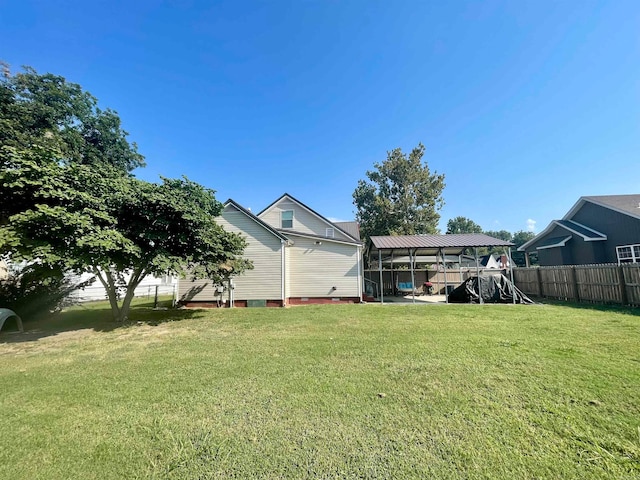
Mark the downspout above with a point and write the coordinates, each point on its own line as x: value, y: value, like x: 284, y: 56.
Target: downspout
x: 360, y: 273
x: 283, y: 273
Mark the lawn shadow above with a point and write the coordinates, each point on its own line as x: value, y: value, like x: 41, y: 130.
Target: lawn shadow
x: 96, y: 317
x: 600, y: 307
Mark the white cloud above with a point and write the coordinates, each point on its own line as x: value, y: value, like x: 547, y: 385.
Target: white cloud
x: 531, y: 225
x: 334, y: 219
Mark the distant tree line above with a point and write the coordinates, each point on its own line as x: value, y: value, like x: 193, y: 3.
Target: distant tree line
x: 519, y: 238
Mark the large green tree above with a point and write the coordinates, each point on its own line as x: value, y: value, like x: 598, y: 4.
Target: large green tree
x: 463, y: 225
x: 92, y: 218
x: 47, y: 111
x: 400, y: 196
x: 70, y: 202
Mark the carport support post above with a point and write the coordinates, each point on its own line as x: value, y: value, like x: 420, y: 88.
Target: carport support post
x: 380, y: 268
x: 413, y: 278
x: 475, y: 249
x: 444, y: 270
x: 393, y: 283
x: 511, y: 274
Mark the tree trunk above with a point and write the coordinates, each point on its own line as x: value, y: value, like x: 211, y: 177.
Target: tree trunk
x: 110, y: 288
x: 126, y: 303
x: 120, y: 313
x: 134, y: 281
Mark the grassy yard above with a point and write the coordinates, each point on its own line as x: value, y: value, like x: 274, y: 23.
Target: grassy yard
x: 359, y: 391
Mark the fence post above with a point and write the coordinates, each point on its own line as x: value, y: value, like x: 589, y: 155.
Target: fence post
x: 623, y: 286
x: 539, y: 275
x: 575, y: 283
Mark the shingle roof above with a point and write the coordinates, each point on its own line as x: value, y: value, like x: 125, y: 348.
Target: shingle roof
x: 458, y: 240
x: 352, y: 228
x: 553, y: 242
x: 584, y: 232
x: 625, y: 203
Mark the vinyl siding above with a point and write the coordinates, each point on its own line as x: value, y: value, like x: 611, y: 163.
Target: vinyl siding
x: 620, y: 229
x: 287, y: 277
x: 303, y: 220
x: 315, y: 269
x: 198, y: 290
x: 263, y: 249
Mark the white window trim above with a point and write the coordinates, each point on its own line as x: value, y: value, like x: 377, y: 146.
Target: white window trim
x: 330, y: 232
x: 634, y: 258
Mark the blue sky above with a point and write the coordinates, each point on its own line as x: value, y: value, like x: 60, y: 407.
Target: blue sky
x: 524, y: 105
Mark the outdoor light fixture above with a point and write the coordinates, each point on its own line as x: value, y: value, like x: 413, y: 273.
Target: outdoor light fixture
x: 318, y: 243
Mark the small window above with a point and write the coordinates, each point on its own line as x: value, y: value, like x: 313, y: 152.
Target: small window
x: 329, y: 233
x: 628, y: 254
x: 287, y: 219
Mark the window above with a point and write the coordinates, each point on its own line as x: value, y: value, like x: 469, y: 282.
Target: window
x: 329, y: 233
x: 287, y: 219
x: 628, y: 254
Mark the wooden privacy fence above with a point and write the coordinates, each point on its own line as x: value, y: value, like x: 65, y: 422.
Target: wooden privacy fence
x: 619, y: 284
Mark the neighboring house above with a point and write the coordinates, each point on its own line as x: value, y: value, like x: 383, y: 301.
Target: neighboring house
x: 298, y: 257
x: 165, y: 285
x: 597, y: 229
x: 485, y: 261
x: 4, y: 270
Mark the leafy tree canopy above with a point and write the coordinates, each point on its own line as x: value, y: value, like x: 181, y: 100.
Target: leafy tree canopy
x: 47, y: 111
x: 463, y: 225
x: 501, y: 234
x: 400, y: 197
x: 521, y: 237
x: 93, y: 218
x: 70, y: 203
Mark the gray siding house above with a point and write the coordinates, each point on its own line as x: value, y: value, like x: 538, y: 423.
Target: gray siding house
x: 298, y: 256
x: 597, y: 229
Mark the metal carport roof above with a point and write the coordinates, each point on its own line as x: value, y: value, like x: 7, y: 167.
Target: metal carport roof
x: 442, y: 245
x: 449, y: 244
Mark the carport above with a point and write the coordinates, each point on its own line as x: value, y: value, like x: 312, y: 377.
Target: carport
x: 385, y: 248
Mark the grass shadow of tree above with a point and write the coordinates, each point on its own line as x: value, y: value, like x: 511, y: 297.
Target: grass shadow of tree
x: 600, y: 307
x: 96, y: 317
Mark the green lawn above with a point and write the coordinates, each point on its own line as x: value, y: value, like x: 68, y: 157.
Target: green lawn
x: 358, y: 391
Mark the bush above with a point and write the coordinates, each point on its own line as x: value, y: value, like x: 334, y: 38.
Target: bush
x: 35, y: 290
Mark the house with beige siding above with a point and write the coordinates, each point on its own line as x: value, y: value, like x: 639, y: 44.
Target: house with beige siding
x: 298, y: 257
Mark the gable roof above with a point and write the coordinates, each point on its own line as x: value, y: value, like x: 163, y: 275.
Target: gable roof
x: 625, y: 204
x: 554, y: 242
x: 313, y: 212
x: 587, y: 234
x: 265, y: 225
